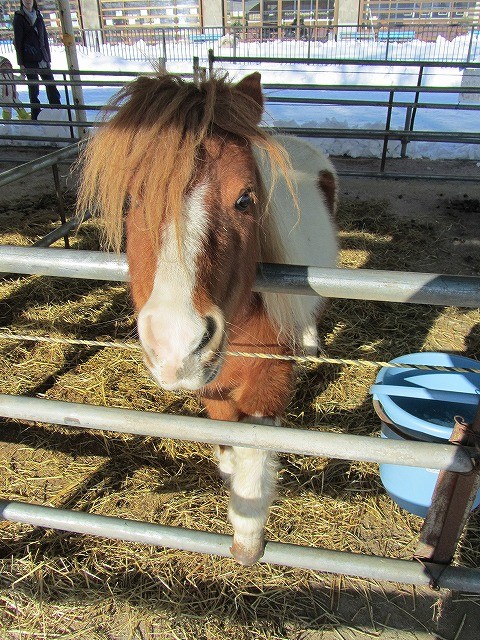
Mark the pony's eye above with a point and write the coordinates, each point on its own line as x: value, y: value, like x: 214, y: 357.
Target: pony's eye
x: 244, y: 201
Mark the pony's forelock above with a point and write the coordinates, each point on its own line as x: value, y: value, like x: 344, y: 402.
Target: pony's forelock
x: 145, y: 152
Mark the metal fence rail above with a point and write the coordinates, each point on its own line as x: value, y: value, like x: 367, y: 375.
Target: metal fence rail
x: 455, y: 42
x: 344, y: 446
x: 361, y: 284
x: 364, y: 284
x: 49, y: 160
x: 290, y: 555
x: 407, y: 103
x: 258, y: 436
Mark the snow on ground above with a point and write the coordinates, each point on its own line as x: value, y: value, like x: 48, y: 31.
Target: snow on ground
x: 329, y: 77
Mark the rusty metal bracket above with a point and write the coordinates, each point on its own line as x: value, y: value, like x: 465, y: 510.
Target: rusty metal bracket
x: 452, y: 501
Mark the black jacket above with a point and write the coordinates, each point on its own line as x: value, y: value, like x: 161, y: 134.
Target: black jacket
x: 31, y: 41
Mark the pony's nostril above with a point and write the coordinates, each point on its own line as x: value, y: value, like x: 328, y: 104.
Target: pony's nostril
x: 210, y: 329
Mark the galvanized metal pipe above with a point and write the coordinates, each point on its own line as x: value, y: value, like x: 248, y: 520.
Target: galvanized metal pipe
x: 38, y: 138
x: 35, y: 165
x: 90, y: 265
x: 359, y: 88
x: 378, y: 134
x: 257, y: 436
x: 61, y: 232
x: 369, y: 103
x: 290, y: 555
x: 342, y: 61
x: 371, y: 284
x: 355, y: 284
x: 386, y: 175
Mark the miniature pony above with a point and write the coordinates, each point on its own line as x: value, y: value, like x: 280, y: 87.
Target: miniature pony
x: 207, y: 194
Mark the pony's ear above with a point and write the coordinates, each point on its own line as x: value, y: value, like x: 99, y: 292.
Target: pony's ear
x: 251, y: 87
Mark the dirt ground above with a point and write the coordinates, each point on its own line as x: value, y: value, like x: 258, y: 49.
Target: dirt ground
x: 452, y: 205
x: 452, y: 208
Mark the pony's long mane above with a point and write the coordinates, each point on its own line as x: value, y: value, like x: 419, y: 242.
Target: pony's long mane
x: 145, y: 152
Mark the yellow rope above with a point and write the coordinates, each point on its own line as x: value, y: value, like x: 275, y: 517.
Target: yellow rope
x: 358, y: 362
x: 134, y: 346
x: 70, y: 341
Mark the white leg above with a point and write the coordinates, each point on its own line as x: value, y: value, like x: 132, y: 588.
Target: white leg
x: 252, y: 489
x: 310, y: 343
x: 225, y: 461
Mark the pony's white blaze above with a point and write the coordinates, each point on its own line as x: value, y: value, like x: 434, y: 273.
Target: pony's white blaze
x: 170, y: 327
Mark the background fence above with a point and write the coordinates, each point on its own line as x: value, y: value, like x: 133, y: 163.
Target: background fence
x: 423, y: 42
x: 399, y: 109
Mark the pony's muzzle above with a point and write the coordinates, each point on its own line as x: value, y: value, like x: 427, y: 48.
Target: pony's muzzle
x: 182, y: 353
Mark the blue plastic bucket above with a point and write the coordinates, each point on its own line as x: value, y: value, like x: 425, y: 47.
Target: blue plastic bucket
x: 422, y: 406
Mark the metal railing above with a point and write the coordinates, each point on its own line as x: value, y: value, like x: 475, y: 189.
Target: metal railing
x: 354, y: 284
x: 401, y: 108
x: 459, y: 42
x: 304, y: 442
x: 403, y: 287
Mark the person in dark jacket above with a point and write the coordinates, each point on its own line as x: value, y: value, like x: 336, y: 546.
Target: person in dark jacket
x: 33, y: 52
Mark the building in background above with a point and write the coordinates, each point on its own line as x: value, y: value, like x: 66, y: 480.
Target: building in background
x: 152, y: 13
x: 424, y: 11
x: 47, y: 7
x: 273, y: 15
x: 281, y: 13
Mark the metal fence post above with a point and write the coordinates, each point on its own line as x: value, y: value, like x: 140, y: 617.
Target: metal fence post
x: 387, y: 44
x: 412, y: 112
x: 61, y: 205
x: 164, y: 44
x: 408, y: 123
x: 211, y: 58
x: 387, y: 128
x: 470, y: 44
x: 69, y: 110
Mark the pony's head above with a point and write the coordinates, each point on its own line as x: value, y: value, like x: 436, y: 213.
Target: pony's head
x: 176, y: 159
